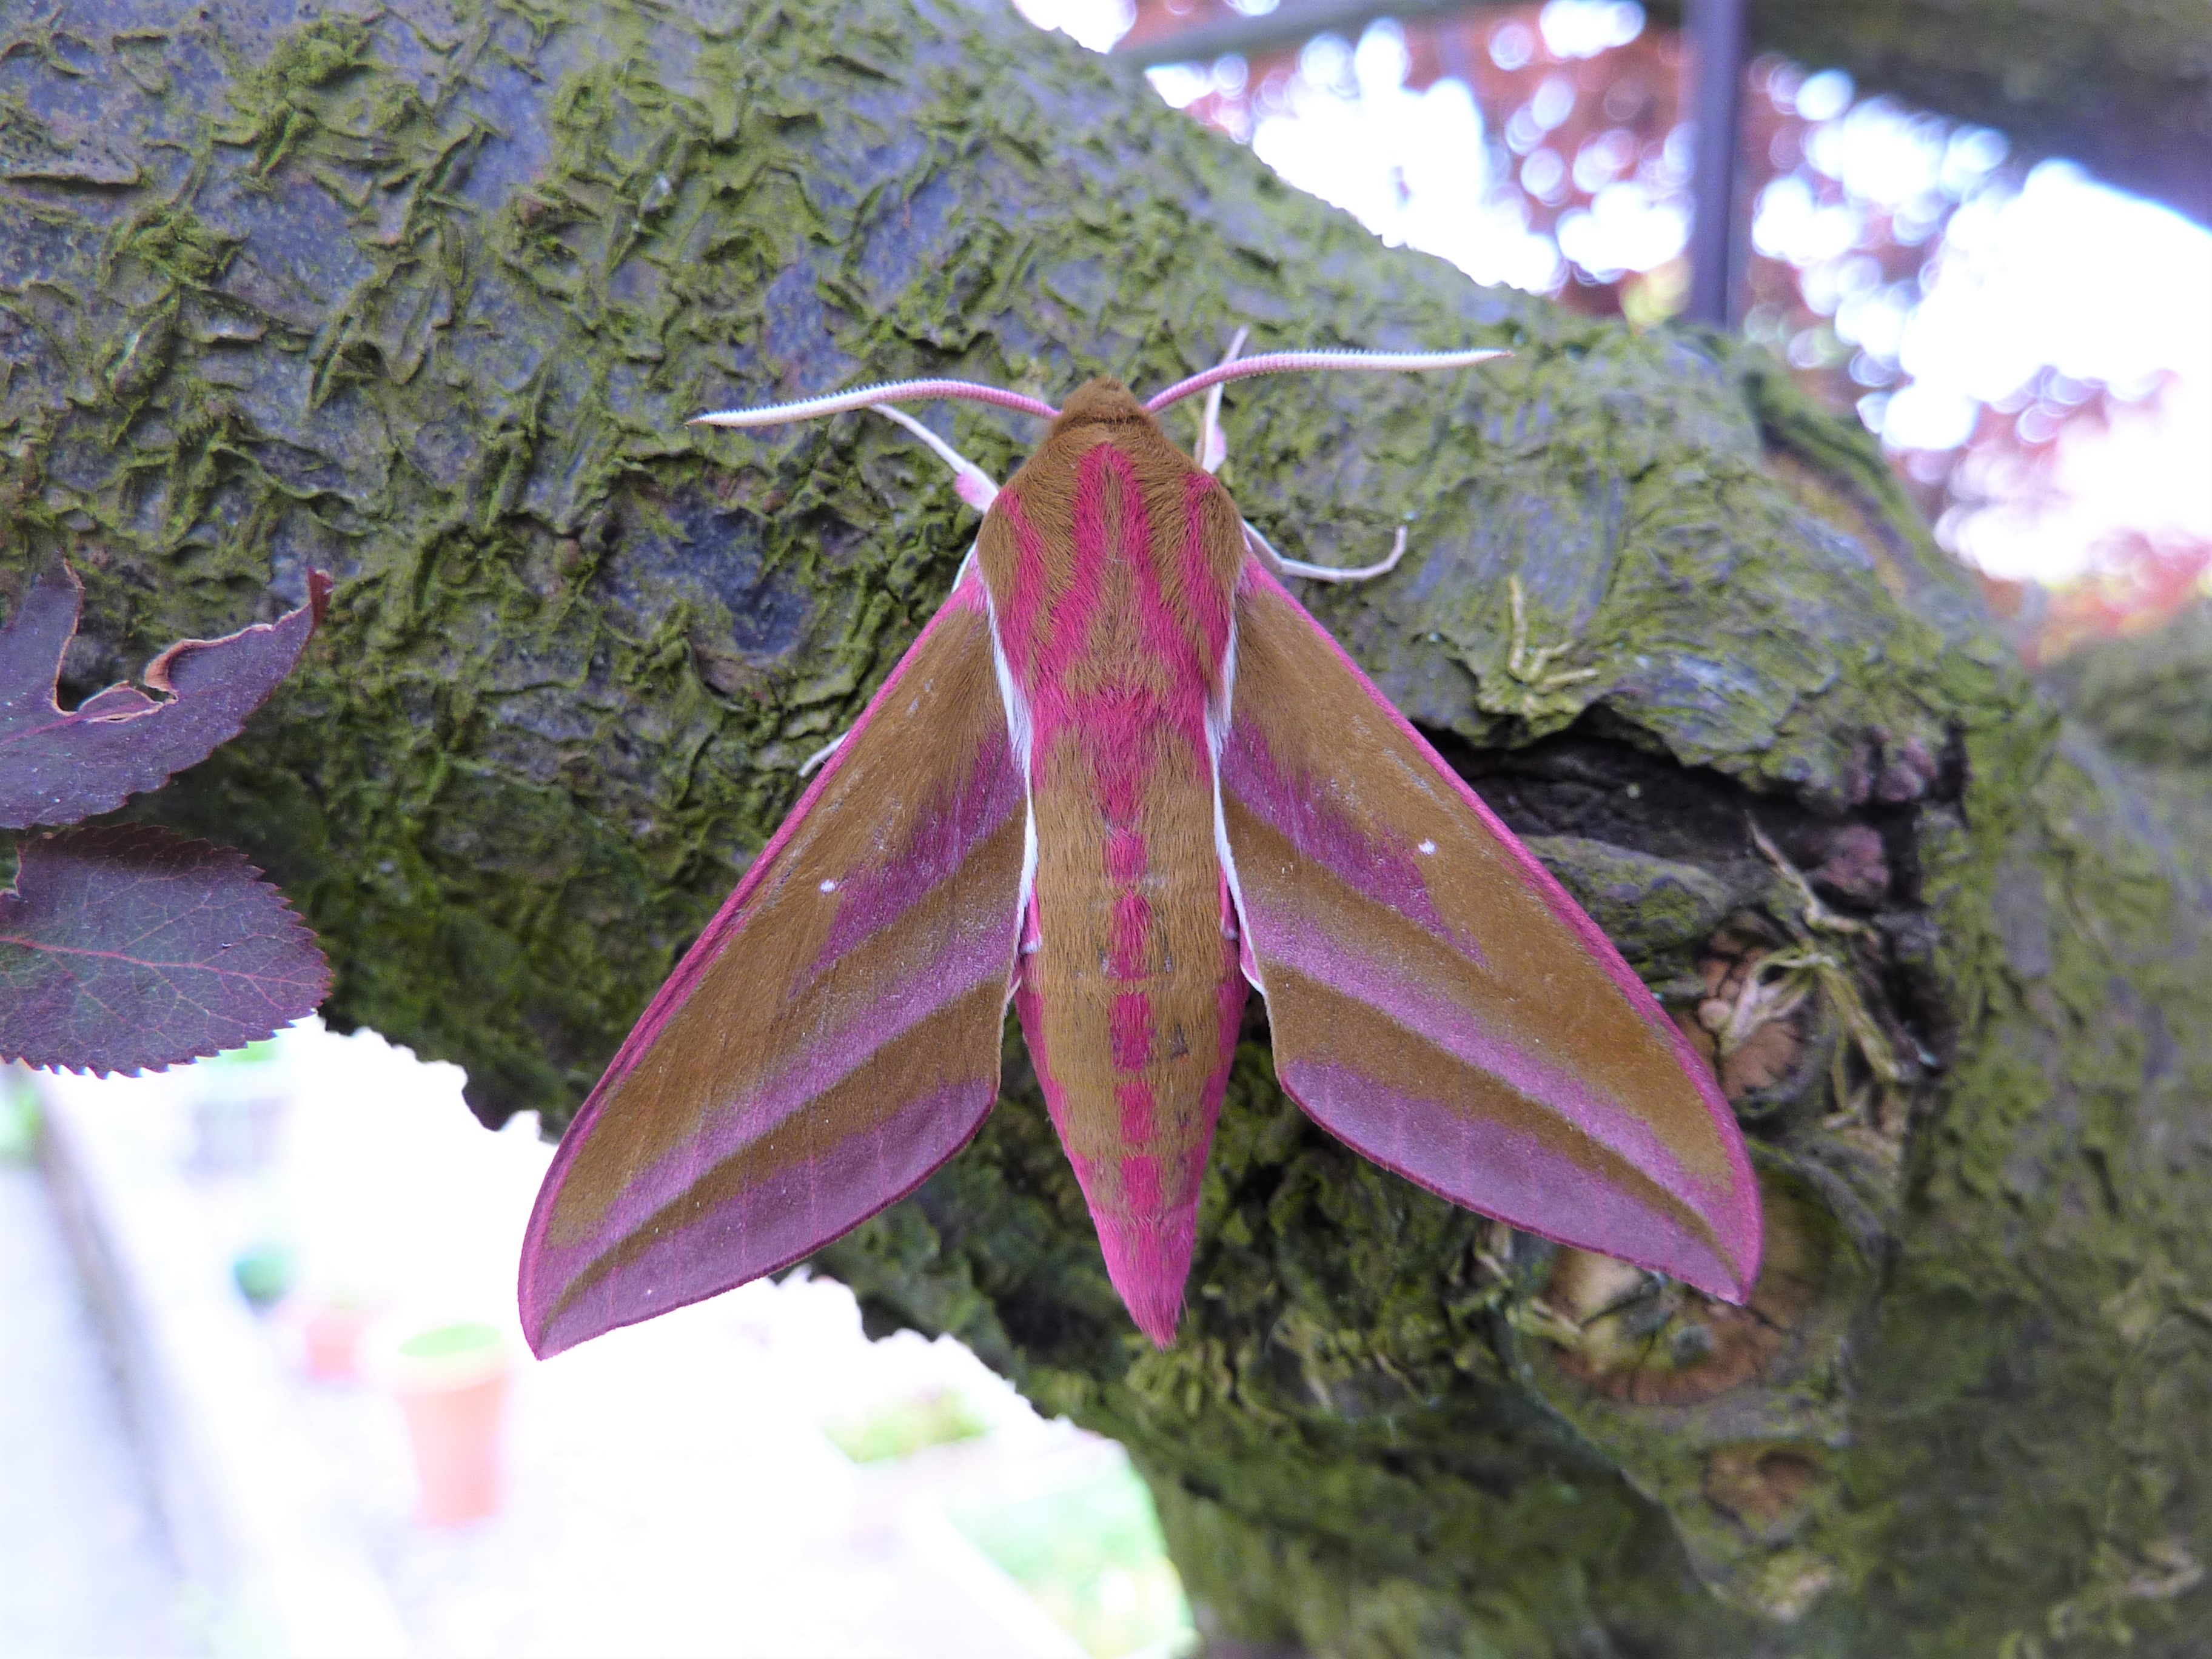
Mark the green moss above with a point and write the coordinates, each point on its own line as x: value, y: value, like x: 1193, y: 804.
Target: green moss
x: 2148, y: 696
x: 277, y: 102
x: 1657, y: 911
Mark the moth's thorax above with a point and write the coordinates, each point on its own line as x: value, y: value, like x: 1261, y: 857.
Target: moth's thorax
x: 1112, y: 558
x: 1102, y: 401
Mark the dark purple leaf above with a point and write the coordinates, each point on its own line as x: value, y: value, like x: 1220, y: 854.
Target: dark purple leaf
x: 58, y: 767
x: 127, y: 946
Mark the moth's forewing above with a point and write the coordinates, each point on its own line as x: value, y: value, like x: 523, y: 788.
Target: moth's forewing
x: 1437, y: 1001
x: 833, y: 1035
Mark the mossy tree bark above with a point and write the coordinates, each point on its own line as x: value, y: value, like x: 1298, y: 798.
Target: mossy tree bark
x: 423, y: 297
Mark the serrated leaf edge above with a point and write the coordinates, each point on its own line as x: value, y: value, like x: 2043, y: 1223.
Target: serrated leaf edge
x: 171, y: 840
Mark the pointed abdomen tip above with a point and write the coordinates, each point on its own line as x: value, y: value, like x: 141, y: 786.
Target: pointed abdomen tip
x: 1148, y: 1262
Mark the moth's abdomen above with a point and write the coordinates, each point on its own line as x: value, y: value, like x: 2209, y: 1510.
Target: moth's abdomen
x: 1132, y: 997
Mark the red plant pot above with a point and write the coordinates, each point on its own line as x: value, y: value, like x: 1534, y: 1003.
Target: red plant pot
x: 452, y: 1384
x: 330, y: 1340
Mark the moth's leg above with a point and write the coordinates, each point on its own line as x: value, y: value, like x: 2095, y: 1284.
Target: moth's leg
x: 1322, y: 572
x: 812, y: 763
x: 1212, y: 446
x: 973, y: 483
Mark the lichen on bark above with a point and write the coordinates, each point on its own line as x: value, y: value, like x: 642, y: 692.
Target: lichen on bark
x: 422, y: 295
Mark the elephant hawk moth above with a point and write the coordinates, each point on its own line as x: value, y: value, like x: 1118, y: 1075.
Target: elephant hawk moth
x: 1121, y: 780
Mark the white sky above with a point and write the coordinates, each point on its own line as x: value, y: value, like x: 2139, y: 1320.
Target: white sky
x: 2062, y: 272
x: 2099, y: 286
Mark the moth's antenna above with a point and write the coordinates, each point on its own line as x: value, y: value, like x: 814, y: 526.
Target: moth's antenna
x: 898, y: 391
x: 973, y: 484
x: 1292, y: 362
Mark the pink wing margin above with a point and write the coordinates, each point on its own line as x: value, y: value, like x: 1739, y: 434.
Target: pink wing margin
x: 833, y: 1036
x: 1437, y: 1001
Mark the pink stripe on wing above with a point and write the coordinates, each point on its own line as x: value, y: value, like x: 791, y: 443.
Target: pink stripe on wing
x: 967, y: 597
x: 878, y: 895
x: 965, y: 960
x: 542, y: 1277
x: 1461, y: 1032
x: 1300, y: 810
x: 782, y: 1222
x: 1512, y: 1176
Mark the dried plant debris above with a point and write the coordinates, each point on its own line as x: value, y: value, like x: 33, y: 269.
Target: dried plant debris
x: 125, y: 947
x: 1789, y: 996
x: 1643, y: 1338
x: 59, y: 768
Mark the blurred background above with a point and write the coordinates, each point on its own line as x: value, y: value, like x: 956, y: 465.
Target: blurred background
x: 260, y: 1385
x: 264, y: 1392
x: 2033, y: 348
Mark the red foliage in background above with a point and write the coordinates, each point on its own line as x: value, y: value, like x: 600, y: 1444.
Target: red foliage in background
x: 2136, y: 582
x: 1825, y: 316
x: 125, y: 947
x: 1625, y: 101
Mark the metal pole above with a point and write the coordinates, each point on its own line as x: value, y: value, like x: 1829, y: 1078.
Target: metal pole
x: 1714, y: 34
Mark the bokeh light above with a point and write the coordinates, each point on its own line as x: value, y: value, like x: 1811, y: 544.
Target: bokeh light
x: 2033, y: 349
